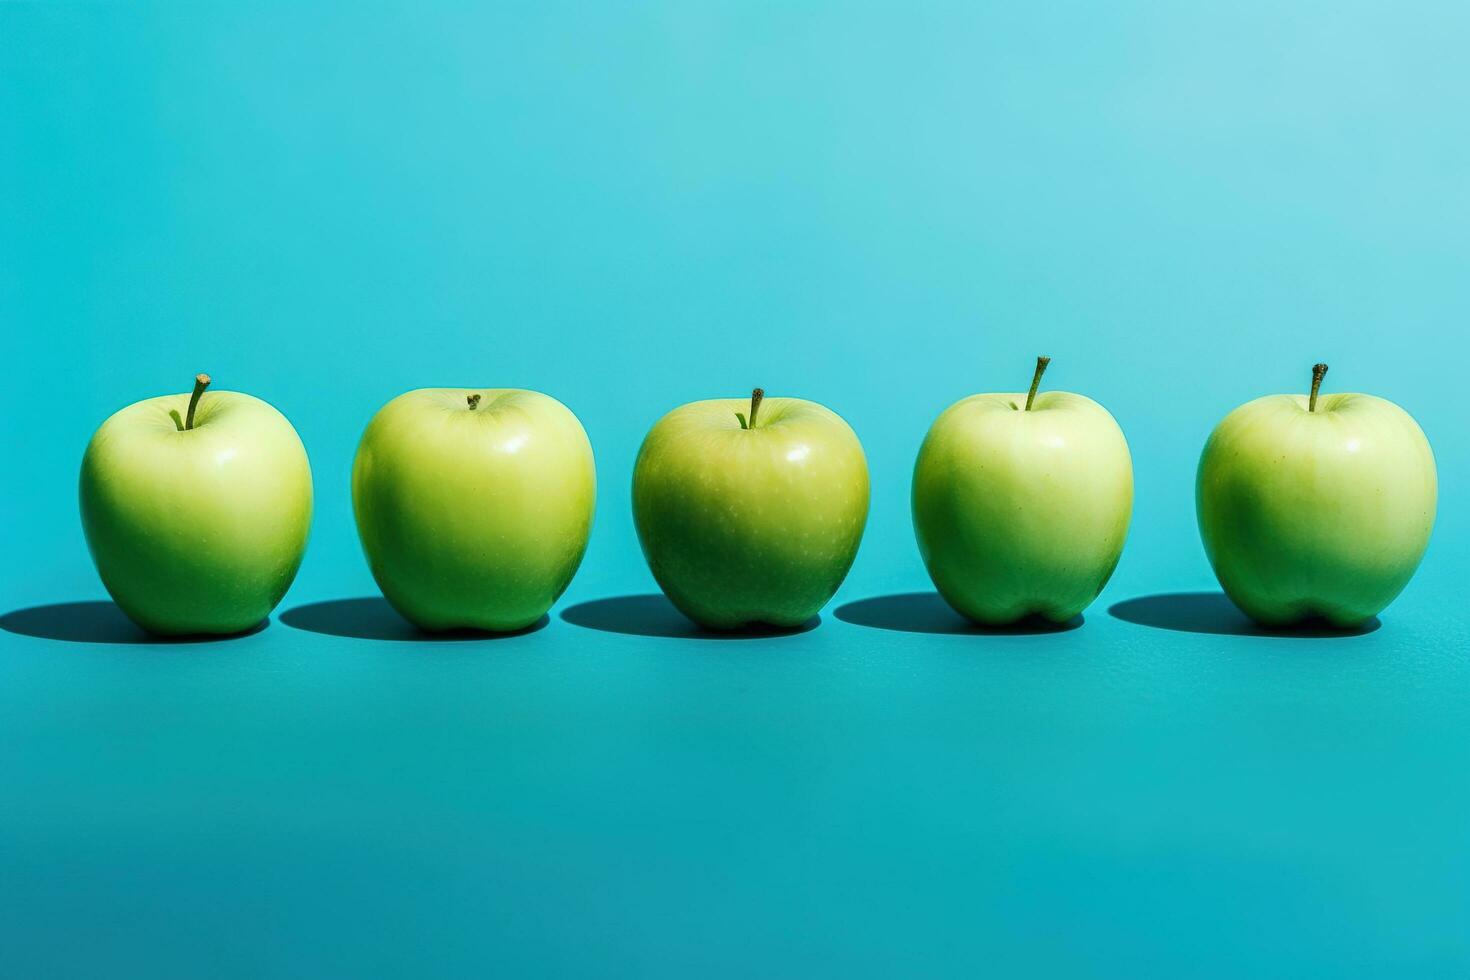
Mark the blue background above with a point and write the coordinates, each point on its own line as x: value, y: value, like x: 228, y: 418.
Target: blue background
x: 629, y: 206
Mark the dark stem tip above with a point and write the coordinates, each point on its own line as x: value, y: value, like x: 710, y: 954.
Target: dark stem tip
x: 755, y: 403
x: 1319, y: 371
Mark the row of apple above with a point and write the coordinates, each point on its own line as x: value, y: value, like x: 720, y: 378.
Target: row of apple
x: 475, y: 506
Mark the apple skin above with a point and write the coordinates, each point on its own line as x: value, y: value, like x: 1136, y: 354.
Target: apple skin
x: 197, y: 531
x: 746, y: 527
x: 1022, y: 513
x: 474, y: 518
x: 1322, y: 514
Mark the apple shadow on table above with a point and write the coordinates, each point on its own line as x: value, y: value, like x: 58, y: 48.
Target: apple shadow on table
x: 655, y: 615
x: 927, y: 612
x: 99, y: 621
x: 371, y: 618
x: 1214, y: 613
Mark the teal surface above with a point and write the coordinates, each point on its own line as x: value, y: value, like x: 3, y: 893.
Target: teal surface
x: 879, y: 207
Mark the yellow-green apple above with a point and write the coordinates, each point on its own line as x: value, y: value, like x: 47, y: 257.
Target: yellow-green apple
x: 751, y: 519
x: 1021, y: 503
x: 474, y: 505
x: 196, y: 510
x: 1316, y: 506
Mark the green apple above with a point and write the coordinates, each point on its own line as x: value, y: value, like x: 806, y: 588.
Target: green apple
x: 474, y: 505
x: 750, y: 520
x: 196, y: 510
x: 1316, y: 508
x: 1021, y: 503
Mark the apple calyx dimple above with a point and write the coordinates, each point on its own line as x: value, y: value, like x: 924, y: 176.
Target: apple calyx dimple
x: 473, y: 400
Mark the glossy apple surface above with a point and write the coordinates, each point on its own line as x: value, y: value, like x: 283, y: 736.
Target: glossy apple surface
x: 474, y: 505
x: 750, y: 526
x: 1022, y: 512
x: 1316, y: 514
x: 198, y: 530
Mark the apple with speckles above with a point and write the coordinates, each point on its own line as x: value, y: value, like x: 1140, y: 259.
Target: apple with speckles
x: 474, y: 505
x: 750, y: 515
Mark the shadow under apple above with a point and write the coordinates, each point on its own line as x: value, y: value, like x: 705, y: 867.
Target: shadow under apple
x: 372, y: 618
x: 655, y: 615
x: 99, y: 621
x: 927, y: 612
x: 1214, y: 613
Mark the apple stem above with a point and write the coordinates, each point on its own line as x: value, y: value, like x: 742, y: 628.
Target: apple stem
x: 1041, y: 363
x: 201, y: 381
x: 1318, y: 372
x: 474, y: 400
x: 755, y: 406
